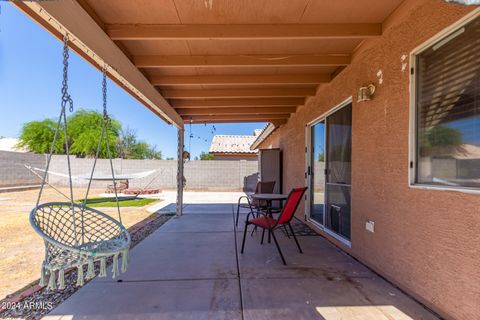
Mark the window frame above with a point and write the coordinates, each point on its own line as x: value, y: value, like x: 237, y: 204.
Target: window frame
x: 412, y: 156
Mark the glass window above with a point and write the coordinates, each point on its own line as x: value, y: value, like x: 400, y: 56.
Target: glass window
x: 448, y: 110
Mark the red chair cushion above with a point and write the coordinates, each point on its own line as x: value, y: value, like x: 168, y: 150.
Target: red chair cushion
x: 263, y: 222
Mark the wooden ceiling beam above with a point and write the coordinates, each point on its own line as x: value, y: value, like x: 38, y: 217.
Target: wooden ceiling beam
x: 279, y: 60
x: 241, y: 102
x: 237, y: 93
x: 244, y: 32
x: 262, y: 117
x: 302, y: 79
x: 278, y: 122
x: 238, y: 111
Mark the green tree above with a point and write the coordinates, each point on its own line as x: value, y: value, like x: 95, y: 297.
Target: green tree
x: 441, y: 136
x: 125, y: 143
x: 141, y: 150
x: 37, y: 137
x: 321, y: 157
x: 85, y: 128
x: 129, y: 147
x: 440, y: 140
x: 84, y: 131
x: 206, y: 156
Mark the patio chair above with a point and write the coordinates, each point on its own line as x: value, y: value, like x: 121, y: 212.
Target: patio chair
x: 261, y: 187
x: 271, y: 224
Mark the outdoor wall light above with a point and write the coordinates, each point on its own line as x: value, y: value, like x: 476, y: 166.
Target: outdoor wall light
x: 366, y: 93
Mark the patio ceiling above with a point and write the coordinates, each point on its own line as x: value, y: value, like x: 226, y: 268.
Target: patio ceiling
x: 225, y: 61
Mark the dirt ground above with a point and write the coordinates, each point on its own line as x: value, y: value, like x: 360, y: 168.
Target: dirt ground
x: 21, y: 249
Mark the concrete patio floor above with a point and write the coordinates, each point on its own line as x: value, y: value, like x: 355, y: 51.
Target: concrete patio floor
x: 191, y: 268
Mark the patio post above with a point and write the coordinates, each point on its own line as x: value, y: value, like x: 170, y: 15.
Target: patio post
x: 180, y: 171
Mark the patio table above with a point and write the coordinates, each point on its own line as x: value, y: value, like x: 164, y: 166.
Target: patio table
x: 269, y: 197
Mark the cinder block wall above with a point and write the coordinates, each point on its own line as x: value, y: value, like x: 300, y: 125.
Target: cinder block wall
x: 13, y: 172
x: 425, y: 241
x: 214, y: 175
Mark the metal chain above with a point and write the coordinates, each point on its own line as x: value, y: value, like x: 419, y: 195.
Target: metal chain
x: 104, y: 92
x: 107, y: 138
x: 66, y: 98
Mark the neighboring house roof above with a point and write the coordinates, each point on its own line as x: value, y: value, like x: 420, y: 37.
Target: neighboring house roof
x: 262, y: 135
x: 10, y: 144
x: 233, y: 143
x: 467, y: 151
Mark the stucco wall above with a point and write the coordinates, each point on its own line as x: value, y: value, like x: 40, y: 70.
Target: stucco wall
x: 425, y: 241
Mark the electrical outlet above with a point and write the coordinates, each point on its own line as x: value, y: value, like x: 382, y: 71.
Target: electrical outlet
x: 370, y: 226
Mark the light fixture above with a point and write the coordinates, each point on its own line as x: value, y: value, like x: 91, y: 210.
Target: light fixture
x: 366, y: 93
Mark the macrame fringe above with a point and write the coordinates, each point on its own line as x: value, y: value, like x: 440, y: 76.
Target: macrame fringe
x: 103, y: 267
x: 61, y: 279
x: 91, y: 269
x: 51, y: 281
x: 125, y: 258
x: 115, y: 271
x: 80, y: 280
x: 42, y: 281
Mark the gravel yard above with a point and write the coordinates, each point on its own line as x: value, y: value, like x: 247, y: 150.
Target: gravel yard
x: 21, y: 249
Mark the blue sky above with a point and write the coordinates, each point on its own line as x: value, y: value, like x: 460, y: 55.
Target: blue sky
x: 30, y: 78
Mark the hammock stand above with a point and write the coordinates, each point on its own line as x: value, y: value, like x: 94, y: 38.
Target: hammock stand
x: 74, y: 234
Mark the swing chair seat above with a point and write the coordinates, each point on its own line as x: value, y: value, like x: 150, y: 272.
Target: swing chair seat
x: 78, y: 236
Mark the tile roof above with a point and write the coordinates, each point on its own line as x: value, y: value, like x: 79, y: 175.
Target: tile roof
x: 232, y: 144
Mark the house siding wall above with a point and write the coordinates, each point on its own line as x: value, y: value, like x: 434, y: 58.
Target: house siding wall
x: 425, y: 241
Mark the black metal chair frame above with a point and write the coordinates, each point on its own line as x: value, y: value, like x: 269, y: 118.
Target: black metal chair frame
x: 275, y: 226
x: 249, y: 205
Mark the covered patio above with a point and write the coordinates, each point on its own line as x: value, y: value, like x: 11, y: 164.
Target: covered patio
x: 356, y: 71
x: 191, y: 268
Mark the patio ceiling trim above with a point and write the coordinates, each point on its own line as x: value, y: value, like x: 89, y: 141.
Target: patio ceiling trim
x: 249, y: 118
x: 237, y: 93
x: 241, y: 102
x: 90, y: 41
x: 244, y: 31
x: 239, y: 111
x: 259, y: 60
x: 240, y: 79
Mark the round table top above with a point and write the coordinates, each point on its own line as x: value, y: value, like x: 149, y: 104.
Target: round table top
x: 269, y: 196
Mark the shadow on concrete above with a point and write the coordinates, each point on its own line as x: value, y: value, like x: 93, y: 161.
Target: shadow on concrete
x: 191, y: 268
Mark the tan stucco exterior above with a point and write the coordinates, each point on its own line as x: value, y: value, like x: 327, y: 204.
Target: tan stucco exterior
x: 425, y: 241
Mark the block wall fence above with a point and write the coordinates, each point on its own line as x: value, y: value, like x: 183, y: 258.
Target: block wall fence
x: 211, y: 175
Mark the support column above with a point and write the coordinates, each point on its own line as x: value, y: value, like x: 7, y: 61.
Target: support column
x: 180, y: 172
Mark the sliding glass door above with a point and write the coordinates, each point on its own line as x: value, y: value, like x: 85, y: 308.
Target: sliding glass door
x: 338, y: 171
x: 330, y: 171
x: 317, y: 169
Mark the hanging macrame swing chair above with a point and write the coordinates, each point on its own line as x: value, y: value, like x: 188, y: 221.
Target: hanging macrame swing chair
x: 75, y: 235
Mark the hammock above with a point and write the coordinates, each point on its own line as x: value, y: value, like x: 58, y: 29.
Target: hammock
x: 127, y: 176
x: 74, y: 234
